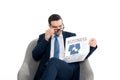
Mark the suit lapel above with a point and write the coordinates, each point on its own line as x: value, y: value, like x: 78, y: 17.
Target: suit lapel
x: 49, y: 47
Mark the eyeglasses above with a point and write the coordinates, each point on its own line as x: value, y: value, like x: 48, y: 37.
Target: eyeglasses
x: 61, y: 27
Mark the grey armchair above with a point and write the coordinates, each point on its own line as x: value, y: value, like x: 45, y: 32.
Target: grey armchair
x: 29, y: 66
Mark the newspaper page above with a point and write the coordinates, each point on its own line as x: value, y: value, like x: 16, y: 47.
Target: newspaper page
x: 77, y: 48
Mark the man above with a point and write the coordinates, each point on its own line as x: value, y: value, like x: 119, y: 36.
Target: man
x: 52, y: 67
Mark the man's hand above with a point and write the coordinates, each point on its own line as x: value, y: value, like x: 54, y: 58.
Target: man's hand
x: 49, y: 33
x: 92, y: 42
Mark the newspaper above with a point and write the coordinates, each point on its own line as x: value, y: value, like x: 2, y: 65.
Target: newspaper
x: 77, y: 48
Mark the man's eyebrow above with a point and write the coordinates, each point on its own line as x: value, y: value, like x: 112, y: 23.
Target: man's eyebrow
x: 54, y: 26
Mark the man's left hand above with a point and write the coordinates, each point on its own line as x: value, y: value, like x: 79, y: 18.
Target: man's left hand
x: 92, y: 42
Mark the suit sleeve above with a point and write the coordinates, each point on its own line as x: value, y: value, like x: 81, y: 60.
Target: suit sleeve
x: 92, y: 49
x: 40, y: 48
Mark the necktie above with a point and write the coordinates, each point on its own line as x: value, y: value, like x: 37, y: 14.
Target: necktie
x: 56, y: 47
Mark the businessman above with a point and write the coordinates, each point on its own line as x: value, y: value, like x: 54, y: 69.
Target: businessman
x: 50, y: 51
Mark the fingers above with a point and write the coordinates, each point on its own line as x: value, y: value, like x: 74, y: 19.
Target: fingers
x: 49, y: 33
x: 92, y: 42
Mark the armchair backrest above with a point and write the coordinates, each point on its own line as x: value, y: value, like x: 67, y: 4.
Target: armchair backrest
x: 29, y: 66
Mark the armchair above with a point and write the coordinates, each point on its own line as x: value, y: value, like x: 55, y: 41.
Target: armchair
x: 29, y: 66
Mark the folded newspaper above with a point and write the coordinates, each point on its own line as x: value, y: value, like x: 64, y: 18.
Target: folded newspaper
x: 77, y: 48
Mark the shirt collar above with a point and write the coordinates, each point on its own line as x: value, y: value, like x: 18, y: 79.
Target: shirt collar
x: 58, y: 36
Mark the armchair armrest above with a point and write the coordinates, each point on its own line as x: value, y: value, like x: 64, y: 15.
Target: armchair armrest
x: 86, y: 72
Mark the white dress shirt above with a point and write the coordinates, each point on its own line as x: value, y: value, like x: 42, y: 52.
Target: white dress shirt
x: 61, y: 46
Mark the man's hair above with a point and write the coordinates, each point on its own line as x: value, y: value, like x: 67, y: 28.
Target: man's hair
x: 54, y: 17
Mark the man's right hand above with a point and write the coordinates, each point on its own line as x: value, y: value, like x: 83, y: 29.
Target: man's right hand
x: 49, y: 33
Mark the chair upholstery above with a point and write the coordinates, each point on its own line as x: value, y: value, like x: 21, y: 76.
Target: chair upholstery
x: 29, y: 66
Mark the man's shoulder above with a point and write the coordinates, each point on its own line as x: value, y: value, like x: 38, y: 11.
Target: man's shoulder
x: 43, y: 34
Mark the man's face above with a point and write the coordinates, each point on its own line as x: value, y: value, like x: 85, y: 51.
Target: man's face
x: 57, y: 26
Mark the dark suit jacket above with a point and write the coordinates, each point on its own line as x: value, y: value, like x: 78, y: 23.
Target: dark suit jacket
x: 42, y: 52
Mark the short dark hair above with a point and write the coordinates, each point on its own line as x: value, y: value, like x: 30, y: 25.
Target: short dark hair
x: 54, y: 17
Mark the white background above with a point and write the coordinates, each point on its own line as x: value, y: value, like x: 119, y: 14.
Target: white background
x: 21, y: 21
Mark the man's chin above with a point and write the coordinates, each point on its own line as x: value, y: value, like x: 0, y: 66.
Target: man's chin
x: 58, y: 32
